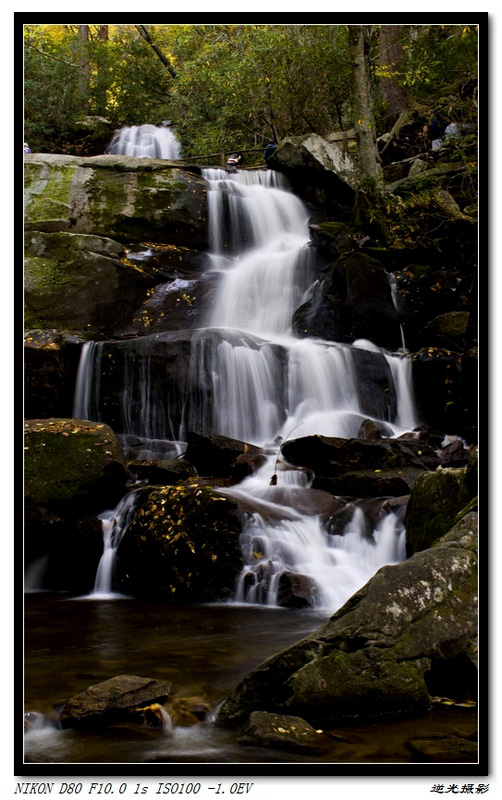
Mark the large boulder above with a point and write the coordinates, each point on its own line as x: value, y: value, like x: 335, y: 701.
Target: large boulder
x: 80, y: 282
x: 112, y: 701
x: 353, y: 301
x: 128, y: 199
x: 182, y: 546
x: 436, y: 499
x: 319, y: 171
x: 413, y: 625
x: 72, y: 467
x: 217, y: 456
x: 361, y: 467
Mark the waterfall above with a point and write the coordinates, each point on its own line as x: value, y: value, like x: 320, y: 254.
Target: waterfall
x: 146, y: 141
x: 248, y: 377
x: 115, y: 523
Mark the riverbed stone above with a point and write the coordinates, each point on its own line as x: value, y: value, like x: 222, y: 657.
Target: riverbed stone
x: 182, y: 546
x: 283, y: 732
x: 73, y: 467
x: 216, y: 456
x: 376, y: 653
x: 112, y: 701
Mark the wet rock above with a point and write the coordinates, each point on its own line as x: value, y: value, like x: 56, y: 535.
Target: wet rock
x: 112, y: 701
x: 162, y: 473
x: 353, y: 301
x: 182, y: 546
x: 371, y: 657
x: 215, y: 456
x: 443, y: 748
x: 73, y: 466
x: 176, y: 305
x: 436, y: 499
x: 471, y: 474
x: 333, y: 239
x: 454, y: 454
x: 295, y: 591
x: 283, y: 732
x: 361, y: 468
x: 369, y: 430
x: 51, y: 361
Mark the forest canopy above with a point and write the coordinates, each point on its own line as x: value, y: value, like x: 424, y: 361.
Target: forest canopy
x: 237, y: 86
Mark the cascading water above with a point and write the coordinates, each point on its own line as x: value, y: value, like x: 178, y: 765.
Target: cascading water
x: 250, y: 378
x: 146, y: 141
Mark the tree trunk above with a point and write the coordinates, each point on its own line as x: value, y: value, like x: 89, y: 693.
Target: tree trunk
x: 103, y: 33
x: 144, y: 32
x: 362, y: 101
x: 391, y: 58
x: 85, y: 68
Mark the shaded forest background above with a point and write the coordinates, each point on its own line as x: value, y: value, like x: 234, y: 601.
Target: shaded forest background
x: 228, y: 87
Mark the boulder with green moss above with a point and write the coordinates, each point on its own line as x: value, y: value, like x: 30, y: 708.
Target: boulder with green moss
x: 72, y: 466
x: 436, y: 499
x: 128, y: 199
x: 411, y: 627
x: 80, y: 282
x: 181, y: 547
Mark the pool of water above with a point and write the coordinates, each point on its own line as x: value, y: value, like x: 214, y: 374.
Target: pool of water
x: 204, y: 651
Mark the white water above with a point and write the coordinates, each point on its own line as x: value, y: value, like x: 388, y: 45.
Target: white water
x: 146, y: 141
x: 265, y: 383
x: 115, y: 523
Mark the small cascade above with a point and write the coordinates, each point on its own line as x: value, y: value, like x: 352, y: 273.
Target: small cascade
x: 248, y: 377
x: 146, y: 141
x: 115, y: 523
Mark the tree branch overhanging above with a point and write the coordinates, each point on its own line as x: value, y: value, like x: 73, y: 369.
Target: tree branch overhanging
x: 143, y: 31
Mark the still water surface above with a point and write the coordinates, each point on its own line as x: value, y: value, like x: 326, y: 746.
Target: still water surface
x: 204, y: 651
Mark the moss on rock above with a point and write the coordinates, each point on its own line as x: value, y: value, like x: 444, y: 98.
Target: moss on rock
x: 72, y: 465
x: 436, y: 499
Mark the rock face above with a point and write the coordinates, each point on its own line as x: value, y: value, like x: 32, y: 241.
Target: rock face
x: 112, y: 701
x: 80, y: 215
x: 73, y: 466
x: 379, y: 653
x: 319, y: 170
x: 51, y: 360
x: 284, y: 733
x: 182, y: 546
x: 353, y: 301
x: 361, y: 467
x: 73, y: 282
x: 436, y: 499
x: 127, y: 199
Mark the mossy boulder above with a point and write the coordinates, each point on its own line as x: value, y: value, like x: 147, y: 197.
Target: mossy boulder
x: 333, y: 239
x: 72, y: 467
x: 80, y: 282
x: 436, y: 499
x: 181, y: 547
x: 446, y: 330
x: 128, y: 199
x: 379, y: 653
